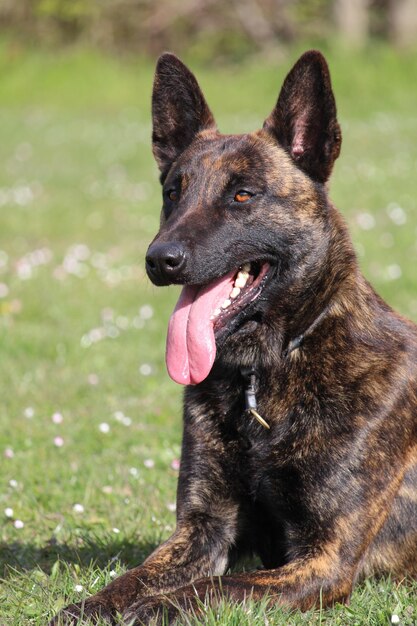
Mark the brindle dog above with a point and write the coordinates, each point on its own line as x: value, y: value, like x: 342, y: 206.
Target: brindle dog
x: 300, y: 425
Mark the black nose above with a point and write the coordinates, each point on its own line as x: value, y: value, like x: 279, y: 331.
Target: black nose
x: 165, y: 263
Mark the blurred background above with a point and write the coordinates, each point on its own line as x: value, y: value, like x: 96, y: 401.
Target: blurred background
x: 209, y: 29
x: 89, y: 420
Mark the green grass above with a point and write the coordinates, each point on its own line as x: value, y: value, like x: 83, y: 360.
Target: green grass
x: 78, y: 184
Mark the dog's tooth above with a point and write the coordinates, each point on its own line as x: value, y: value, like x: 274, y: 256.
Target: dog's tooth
x: 234, y: 293
x: 241, y: 279
x: 246, y: 267
x: 226, y: 303
x: 217, y: 312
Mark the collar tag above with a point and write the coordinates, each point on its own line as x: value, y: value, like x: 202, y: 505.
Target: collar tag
x: 251, y: 403
x: 259, y: 418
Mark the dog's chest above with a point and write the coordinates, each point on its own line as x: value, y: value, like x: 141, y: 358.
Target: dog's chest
x: 296, y: 432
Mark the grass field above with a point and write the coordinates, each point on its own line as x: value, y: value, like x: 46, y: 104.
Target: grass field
x: 90, y: 424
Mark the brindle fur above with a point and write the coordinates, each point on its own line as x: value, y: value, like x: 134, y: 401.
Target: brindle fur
x: 329, y: 493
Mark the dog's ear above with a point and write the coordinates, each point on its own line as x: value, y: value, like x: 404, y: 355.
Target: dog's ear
x: 304, y: 118
x: 179, y: 110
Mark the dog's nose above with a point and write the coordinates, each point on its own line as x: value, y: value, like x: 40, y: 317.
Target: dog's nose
x: 165, y: 262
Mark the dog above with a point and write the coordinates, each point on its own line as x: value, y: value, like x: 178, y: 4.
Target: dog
x: 300, y: 406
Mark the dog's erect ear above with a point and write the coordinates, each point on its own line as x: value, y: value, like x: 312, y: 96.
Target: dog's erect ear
x: 304, y: 119
x: 179, y: 110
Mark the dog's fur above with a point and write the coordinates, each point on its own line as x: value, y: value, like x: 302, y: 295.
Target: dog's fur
x: 329, y: 493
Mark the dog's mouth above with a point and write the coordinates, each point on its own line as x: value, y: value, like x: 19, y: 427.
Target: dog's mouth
x: 247, y: 285
x: 206, y: 312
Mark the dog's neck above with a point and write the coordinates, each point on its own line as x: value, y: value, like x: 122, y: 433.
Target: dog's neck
x: 339, y: 275
x: 251, y: 377
x: 297, y: 341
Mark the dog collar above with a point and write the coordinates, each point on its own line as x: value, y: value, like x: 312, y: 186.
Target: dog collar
x: 250, y: 375
x: 296, y: 343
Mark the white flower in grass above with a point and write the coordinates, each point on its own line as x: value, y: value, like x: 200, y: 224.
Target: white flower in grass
x: 18, y: 524
x: 57, y: 418
x: 145, y: 369
x: 29, y: 412
x: 146, y: 312
x: 116, y: 531
x: 8, y: 512
x: 397, y: 214
x: 395, y: 619
x: 58, y: 442
x: 79, y: 588
x: 394, y: 271
x: 366, y: 221
x: 24, y: 270
x: 149, y: 463
x: 78, y: 508
x: 8, y: 453
x: 120, y: 417
x: 104, y: 427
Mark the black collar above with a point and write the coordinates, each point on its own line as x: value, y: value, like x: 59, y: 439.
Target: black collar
x: 296, y: 343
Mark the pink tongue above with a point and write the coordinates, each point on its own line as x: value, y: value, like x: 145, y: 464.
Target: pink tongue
x: 191, y: 347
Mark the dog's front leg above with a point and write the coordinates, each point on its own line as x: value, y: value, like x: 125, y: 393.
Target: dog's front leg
x: 323, y: 576
x: 207, y: 522
x: 190, y: 553
x: 302, y: 584
x: 199, y: 547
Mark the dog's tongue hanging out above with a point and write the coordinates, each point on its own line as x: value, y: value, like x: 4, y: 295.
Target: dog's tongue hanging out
x: 191, y: 347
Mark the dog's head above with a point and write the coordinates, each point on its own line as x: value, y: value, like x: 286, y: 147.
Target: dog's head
x: 244, y: 219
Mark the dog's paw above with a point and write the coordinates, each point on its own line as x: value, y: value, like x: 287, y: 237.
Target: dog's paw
x: 88, y: 612
x: 153, y: 611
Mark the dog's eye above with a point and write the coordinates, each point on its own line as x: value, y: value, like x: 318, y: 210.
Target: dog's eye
x: 172, y: 195
x: 242, y: 196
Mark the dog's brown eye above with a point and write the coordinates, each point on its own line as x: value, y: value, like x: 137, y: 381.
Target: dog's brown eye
x: 172, y: 195
x: 242, y: 196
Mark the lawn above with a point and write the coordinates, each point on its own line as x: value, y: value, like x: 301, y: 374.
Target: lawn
x: 90, y: 423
